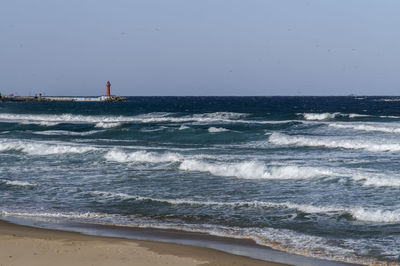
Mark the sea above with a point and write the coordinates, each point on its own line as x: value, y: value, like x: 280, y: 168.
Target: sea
x: 315, y: 176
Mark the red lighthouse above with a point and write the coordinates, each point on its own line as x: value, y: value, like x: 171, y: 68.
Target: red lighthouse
x: 108, y: 88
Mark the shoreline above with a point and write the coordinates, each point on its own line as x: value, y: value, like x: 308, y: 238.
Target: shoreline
x: 196, y: 246
x: 24, y: 245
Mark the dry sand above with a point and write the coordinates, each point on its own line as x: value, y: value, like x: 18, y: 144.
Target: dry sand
x: 22, y: 245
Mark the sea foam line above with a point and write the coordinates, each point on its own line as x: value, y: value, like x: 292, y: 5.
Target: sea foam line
x: 38, y: 148
x: 325, y: 116
x: 217, y: 129
x: 108, y: 124
x: 17, y: 183
x: 279, y: 239
x: 253, y: 204
x: 142, y: 156
x: 358, y: 213
x: 253, y: 170
x: 246, y: 170
x: 387, y: 128
x: 329, y: 142
x: 108, y: 120
x: 385, y: 179
x: 66, y: 132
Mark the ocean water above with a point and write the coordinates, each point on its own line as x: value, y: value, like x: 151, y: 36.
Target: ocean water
x: 318, y: 176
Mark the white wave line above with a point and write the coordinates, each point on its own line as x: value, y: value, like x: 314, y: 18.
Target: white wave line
x: 282, y: 139
x: 359, y: 213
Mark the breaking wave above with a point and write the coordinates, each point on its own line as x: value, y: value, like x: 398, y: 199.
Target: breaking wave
x: 377, y: 216
x: 141, y: 156
x: 37, y: 148
x: 361, y: 214
x: 328, y: 142
x: 367, y: 127
x: 252, y: 170
x: 183, y: 127
x: 65, y: 132
x: 61, y: 215
x: 110, y: 121
x: 40, y: 123
x: 252, y: 204
x: 217, y: 129
x: 245, y: 170
x: 17, y: 183
x: 153, y: 129
x: 108, y: 124
x: 377, y: 179
x: 325, y: 116
x: 248, y: 204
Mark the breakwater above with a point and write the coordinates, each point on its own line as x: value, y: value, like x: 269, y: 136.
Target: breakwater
x: 61, y: 98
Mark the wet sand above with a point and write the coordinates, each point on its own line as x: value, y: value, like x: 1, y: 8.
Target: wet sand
x: 24, y: 245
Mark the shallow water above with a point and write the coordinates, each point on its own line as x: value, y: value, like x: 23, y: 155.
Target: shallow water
x: 308, y: 175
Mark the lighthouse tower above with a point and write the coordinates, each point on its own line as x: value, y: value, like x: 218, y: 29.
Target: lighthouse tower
x: 108, y: 88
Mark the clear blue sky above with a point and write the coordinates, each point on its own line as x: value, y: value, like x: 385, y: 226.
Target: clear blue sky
x: 200, y: 47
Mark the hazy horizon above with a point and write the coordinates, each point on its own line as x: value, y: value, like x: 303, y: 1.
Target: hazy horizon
x: 200, y: 48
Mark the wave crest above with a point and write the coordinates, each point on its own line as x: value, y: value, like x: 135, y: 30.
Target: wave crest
x: 141, y: 156
x: 285, y: 140
x: 37, y: 148
x: 326, y: 116
x: 217, y: 129
x: 377, y: 216
x: 17, y: 183
x: 108, y: 124
x: 366, y: 127
x: 110, y: 120
x: 252, y: 170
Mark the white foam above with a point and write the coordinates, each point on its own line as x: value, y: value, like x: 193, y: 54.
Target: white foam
x: 389, y: 116
x: 64, y: 215
x: 65, y: 132
x: 183, y: 127
x: 358, y: 213
x: 141, y: 156
x: 253, y: 204
x: 153, y: 129
x: 319, y: 116
x: 357, y: 115
x: 377, y: 216
x: 108, y: 124
x: 389, y: 100
x: 17, y: 183
x: 217, y: 129
x: 221, y: 115
x: 39, y: 148
x: 41, y: 123
x: 332, y: 142
x: 325, y: 116
x: 386, y: 128
x: 252, y: 170
x: 377, y: 179
x: 279, y: 239
x: 104, y: 121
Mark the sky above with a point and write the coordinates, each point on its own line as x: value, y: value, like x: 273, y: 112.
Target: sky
x: 200, y: 47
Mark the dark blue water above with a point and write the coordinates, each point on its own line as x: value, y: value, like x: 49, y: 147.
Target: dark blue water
x: 308, y: 175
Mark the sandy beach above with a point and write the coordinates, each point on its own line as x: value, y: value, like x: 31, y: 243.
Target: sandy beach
x: 23, y: 245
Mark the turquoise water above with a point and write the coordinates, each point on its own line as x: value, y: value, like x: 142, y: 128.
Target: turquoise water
x: 307, y: 175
